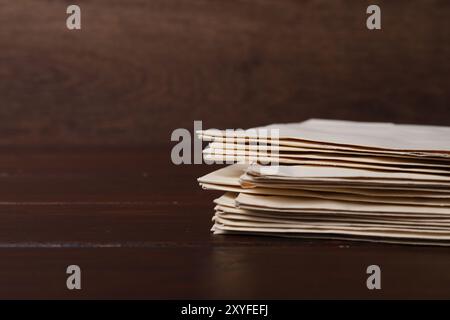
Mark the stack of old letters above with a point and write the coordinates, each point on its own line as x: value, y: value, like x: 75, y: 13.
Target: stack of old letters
x: 333, y: 180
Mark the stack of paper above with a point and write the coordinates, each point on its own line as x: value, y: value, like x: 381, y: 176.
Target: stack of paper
x: 333, y: 179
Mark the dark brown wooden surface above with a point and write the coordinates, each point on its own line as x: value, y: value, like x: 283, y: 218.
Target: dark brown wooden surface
x: 140, y: 68
x: 138, y: 226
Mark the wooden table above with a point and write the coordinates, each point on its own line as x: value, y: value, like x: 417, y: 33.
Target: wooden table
x: 138, y: 227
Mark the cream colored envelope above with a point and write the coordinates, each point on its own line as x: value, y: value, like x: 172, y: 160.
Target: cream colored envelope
x: 370, y: 135
x: 296, y: 204
x: 288, y: 152
x: 439, y: 202
x: 383, y: 195
x: 221, y: 229
x: 342, y: 231
x: 229, y: 200
x: 250, y: 182
x: 305, y: 236
x: 229, y: 177
x: 313, y: 147
x: 230, y: 183
x: 362, y: 185
x: 240, y: 214
x: 335, y: 225
x: 329, y: 172
x: 255, y: 157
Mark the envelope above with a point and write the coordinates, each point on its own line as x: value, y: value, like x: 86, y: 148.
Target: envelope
x: 289, y: 152
x: 297, y: 204
x: 251, y: 157
x: 231, y: 184
x: 364, y: 135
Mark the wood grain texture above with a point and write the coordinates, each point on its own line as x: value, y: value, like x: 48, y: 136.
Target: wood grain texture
x: 138, y: 227
x: 138, y: 69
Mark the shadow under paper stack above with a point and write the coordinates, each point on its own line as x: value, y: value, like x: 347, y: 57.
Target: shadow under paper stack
x: 333, y: 180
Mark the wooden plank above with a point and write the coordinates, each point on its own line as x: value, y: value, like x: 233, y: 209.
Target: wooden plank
x: 139, y: 69
x: 136, y: 239
x: 319, y: 270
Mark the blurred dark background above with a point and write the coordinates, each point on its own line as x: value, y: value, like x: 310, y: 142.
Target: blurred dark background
x: 140, y: 68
